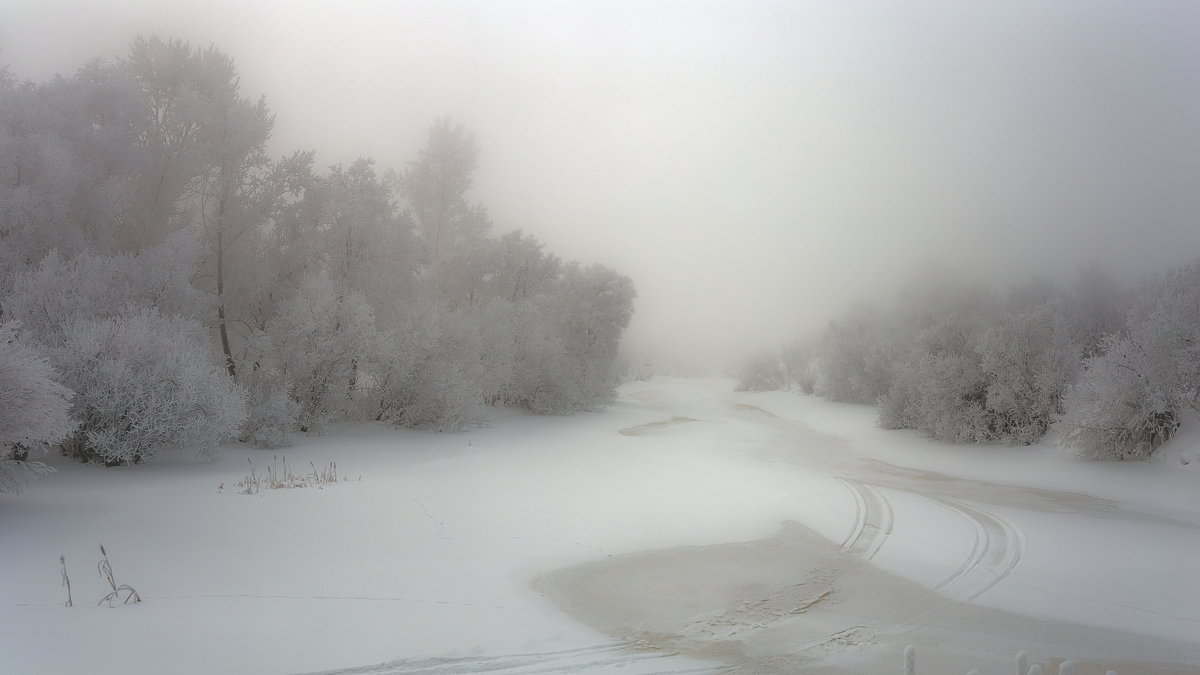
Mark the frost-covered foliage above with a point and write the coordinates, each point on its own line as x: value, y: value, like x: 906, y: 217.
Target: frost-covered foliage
x: 146, y: 230
x: 854, y: 364
x: 586, y: 313
x: 956, y: 363
x: 1134, y: 393
x: 992, y: 376
x: 1118, y: 410
x: 431, y: 372
x: 762, y: 371
x: 33, y: 405
x: 51, y: 296
x: 1117, y: 369
x: 321, y: 336
x: 942, y: 395
x: 145, y: 382
x: 143, y: 377
x: 1028, y: 359
x: 34, y: 409
x: 271, y: 411
x: 798, y: 359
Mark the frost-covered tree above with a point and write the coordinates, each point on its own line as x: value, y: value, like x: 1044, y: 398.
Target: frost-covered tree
x: 137, y: 199
x: 64, y: 163
x: 975, y: 371
x: 940, y: 394
x: 1118, y: 410
x: 50, y: 297
x: 347, y: 224
x: 855, y: 364
x: 145, y: 382
x: 317, y: 337
x: 586, y: 315
x: 142, y: 377
x: 1134, y: 393
x: 271, y: 410
x: 1029, y: 360
x: 430, y: 372
x: 451, y: 230
x: 521, y: 269
x: 761, y: 371
x: 188, y: 124
x: 1097, y: 307
x: 34, y: 409
x: 798, y: 360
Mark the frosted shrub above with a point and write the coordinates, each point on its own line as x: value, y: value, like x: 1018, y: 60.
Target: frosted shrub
x: 855, y: 363
x: 271, y: 412
x: 145, y: 382
x: 1119, y: 410
x: 952, y: 395
x: 431, y: 373
x: 798, y: 360
x: 33, y: 409
x: 1133, y: 394
x: 321, y: 334
x: 50, y: 297
x: 760, y: 372
x: 900, y: 407
x: 941, y: 396
x: 1029, y: 360
x: 541, y: 382
x: 585, y: 314
x: 498, y: 323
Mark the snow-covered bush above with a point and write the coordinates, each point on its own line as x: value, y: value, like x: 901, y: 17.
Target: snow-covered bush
x: 271, y: 412
x: 900, y: 407
x: 34, y: 409
x: 798, y: 360
x: 584, y: 317
x: 498, y: 323
x: 430, y: 372
x: 321, y: 335
x: 1133, y: 394
x: 941, y: 396
x: 855, y: 364
x: 145, y: 382
x: 143, y: 379
x: 1029, y: 360
x: 1118, y: 410
x: 760, y: 372
x: 50, y: 297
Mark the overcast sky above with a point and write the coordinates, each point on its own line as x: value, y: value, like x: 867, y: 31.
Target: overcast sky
x: 754, y: 166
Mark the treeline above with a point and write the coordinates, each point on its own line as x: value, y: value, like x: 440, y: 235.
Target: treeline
x: 165, y: 283
x: 1115, y: 366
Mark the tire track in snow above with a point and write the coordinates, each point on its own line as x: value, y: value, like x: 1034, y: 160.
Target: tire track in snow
x: 873, y: 519
x: 607, y: 656
x: 996, y: 550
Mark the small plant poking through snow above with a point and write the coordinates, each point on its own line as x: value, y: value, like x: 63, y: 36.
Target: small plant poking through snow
x: 62, y: 560
x: 283, y: 477
x: 105, y: 569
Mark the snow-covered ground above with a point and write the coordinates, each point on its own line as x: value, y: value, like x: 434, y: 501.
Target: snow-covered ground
x: 686, y: 528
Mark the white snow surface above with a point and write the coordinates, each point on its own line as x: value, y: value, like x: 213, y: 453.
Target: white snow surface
x: 426, y: 563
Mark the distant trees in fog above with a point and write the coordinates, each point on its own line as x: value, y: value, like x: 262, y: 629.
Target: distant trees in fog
x: 165, y: 283
x: 1115, y: 367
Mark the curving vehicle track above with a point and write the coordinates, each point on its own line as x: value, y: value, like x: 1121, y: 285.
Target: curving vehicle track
x: 873, y: 517
x: 996, y: 550
x: 601, y: 657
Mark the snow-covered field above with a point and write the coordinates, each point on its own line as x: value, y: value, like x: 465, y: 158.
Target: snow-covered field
x: 687, y: 528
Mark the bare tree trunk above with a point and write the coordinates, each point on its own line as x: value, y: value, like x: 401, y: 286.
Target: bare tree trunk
x: 221, y: 328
